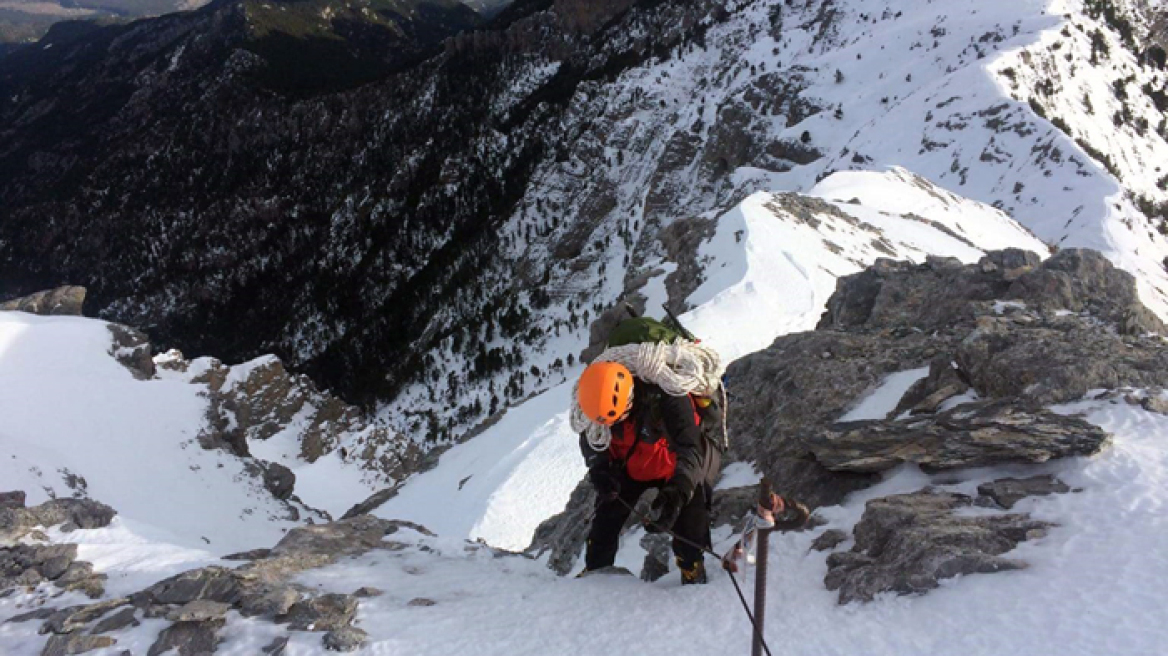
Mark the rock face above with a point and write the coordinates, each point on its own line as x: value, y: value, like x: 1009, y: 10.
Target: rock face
x: 979, y: 434
x: 908, y: 543
x: 30, y: 564
x: 131, y: 348
x: 259, y: 399
x: 1008, y: 491
x: 60, y: 301
x: 1012, y: 332
x: 197, y: 602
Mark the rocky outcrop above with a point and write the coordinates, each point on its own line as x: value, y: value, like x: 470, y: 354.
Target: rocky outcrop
x: 979, y: 434
x: 260, y: 399
x: 1006, y: 492
x: 908, y: 543
x: 197, y: 602
x: 29, y: 564
x: 1011, y: 332
x: 56, y: 302
x: 131, y: 348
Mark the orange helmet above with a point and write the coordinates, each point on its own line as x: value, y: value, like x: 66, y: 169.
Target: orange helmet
x: 604, y: 392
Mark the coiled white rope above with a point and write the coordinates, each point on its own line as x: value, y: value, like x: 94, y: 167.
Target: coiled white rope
x: 679, y: 369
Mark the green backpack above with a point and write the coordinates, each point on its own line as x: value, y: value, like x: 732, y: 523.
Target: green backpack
x: 639, y: 330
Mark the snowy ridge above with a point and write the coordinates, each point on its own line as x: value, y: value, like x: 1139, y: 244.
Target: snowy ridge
x: 778, y: 96
x: 770, y: 268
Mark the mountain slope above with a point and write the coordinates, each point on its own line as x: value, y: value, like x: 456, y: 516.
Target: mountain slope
x: 441, y: 241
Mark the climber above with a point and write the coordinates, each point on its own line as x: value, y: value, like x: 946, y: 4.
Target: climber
x: 654, y: 441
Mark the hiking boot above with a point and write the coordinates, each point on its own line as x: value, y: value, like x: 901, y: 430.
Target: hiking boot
x: 692, y: 573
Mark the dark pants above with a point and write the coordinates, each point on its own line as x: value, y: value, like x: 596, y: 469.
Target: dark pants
x: 693, y: 524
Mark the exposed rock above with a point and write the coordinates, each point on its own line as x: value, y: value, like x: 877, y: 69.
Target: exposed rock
x: 1155, y: 403
x: 268, y: 600
x: 119, y: 620
x: 352, y: 536
x: 188, y: 638
x: 972, y: 435
x: 210, y: 583
x: 367, y: 592
x: 927, y: 394
x: 131, y: 348
x: 830, y: 539
x: 658, y: 553
x: 253, y: 554
x: 276, y: 646
x: 1057, y: 359
x: 1006, y: 492
x: 259, y: 399
x: 62, y: 645
x: 60, y: 301
x: 279, y: 480
x: 74, y: 618
x: 328, y: 612
x: 564, y: 534
x: 38, y: 614
x: 421, y: 602
x: 84, y: 513
x: 31, y: 564
x: 344, y: 639
x: 907, y: 543
x: 12, y: 499
x: 375, y: 501
x: 199, y: 610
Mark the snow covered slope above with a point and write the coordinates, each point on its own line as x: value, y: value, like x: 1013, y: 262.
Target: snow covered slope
x: 770, y: 268
x: 774, y: 97
x: 77, y: 423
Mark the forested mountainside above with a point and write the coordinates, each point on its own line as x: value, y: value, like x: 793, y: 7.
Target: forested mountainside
x: 438, y: 234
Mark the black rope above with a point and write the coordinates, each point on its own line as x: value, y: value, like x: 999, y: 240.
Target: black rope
x: 733, y: 579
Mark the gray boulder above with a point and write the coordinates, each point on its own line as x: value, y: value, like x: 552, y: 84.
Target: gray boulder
x: 208, y: 583
x: 64, y: 645
x: 188, y: 639
x: 328, y: 612
x: 75, y: 618
x: 1006, y: 492
x: 82, y: 513
x: 1056, y: 359
x: 116, y: 621
x: 977, y: 434
x: 199, y: 610
x: 830, y: 539
x: 65, y: 300
x: 908, y: 543
x: 344, y: 639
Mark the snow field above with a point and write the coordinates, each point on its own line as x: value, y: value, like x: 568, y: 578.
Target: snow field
x: 70, y: 410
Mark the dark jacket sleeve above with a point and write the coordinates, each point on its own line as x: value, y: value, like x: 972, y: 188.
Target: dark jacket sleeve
x: 592, y: 457
x: 686, y: 440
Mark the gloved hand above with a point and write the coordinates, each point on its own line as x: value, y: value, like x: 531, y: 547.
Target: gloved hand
x: 669, y: 502
x: 605, y: 482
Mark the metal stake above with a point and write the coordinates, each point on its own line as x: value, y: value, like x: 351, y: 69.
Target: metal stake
x: 765, y: 502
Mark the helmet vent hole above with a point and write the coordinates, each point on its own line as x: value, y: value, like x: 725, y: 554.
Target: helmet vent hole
x: 612, y: 413
x: 614, y: 400
x: 620, y: 375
